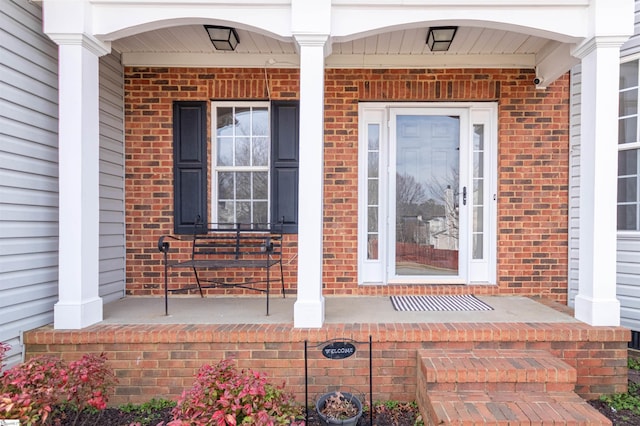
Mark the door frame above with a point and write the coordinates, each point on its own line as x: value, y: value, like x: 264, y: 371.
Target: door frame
x: 376, y: 271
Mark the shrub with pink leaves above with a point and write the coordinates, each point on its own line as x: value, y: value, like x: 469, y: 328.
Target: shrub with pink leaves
x: 4, y: 348
x: 222, y: 395
x: 29, y: 391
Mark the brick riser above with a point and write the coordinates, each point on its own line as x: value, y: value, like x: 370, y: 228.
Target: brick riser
x: 485, y: 387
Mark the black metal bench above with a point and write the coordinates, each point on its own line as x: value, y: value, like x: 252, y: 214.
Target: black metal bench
x: 227, y: 246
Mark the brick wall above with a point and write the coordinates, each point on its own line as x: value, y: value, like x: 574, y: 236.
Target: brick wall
x: 161, y: 360
x: 533, y: 133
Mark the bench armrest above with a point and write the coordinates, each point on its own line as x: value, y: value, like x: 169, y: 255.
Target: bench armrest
x: 268, y: 245
x: 163, y: 246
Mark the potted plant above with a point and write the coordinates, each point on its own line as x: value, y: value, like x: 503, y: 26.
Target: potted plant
x: 339, y: 408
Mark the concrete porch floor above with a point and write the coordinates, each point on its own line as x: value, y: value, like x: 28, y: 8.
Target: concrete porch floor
x: 338, y: 310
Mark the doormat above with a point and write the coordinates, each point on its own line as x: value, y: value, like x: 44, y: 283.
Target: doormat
x: 458, y: 302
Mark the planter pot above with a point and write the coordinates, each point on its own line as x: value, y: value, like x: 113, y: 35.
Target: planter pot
x: 327, y: 420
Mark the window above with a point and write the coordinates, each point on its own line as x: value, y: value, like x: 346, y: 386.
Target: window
x: 254, y: 163
x: 427, y: 179
x: 628, y: 150
x: 240, y: 178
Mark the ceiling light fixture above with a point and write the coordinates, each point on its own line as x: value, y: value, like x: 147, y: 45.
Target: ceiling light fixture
x: 439, y: 38
x: 223, y: 38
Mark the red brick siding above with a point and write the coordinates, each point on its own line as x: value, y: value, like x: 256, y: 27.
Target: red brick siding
x: 533, y: 156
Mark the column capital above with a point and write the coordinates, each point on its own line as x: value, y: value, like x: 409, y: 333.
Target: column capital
x: 89, y: 42
x: 597, y: 42
x: 313, y: 40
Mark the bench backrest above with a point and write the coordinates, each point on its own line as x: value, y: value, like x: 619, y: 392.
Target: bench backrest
x: 237, y: 241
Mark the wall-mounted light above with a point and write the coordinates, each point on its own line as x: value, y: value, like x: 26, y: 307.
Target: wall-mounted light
x: 223, y: 38
x: 439, y: 38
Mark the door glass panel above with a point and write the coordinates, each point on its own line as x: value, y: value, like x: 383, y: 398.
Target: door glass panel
x: 427, y: 182
x: 478, y: 193
x: 373, y: 180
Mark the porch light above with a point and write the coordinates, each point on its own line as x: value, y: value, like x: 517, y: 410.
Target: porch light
x: 223, y: 38
x: 439, y: 38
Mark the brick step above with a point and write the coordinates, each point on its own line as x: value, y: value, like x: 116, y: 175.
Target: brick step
x: 494, y: 370
x: 513, y: 408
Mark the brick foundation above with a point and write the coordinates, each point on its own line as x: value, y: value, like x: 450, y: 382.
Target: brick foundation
x: 161, y: 360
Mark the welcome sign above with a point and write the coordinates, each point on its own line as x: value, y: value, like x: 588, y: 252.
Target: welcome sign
x: 338, y: 350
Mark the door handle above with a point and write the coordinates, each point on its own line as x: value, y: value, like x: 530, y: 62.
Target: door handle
x: 464, y: 195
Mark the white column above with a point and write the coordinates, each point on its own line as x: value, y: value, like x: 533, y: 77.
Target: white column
x: 596, y: 302
x: 79, y: 304
x: 309, y: 307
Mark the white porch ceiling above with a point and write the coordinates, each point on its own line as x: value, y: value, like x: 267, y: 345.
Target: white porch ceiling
x: 189, y: 45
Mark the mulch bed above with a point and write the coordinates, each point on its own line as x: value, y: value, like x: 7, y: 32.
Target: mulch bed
x: 401, y: 415
x: 620, y: 417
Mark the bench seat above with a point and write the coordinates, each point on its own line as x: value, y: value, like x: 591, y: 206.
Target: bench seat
x: 224, y: 264
x: 226, y: 247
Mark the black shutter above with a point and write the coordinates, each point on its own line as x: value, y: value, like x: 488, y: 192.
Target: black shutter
x: 284, y: 164
x: 189, y: 164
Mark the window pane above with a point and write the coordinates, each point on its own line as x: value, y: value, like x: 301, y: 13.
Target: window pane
x: 261, y: 151
x: 628, y: 162
x: 478, y: 220
x: 260, y: 212
x: 260, y: 186
x: 627, y: 217
x: 373, y: 192
x: 243, y: 186
x: 243, y: 151
x: 224, y: 152
x: 477, y: 246
x: 628, y: 74
x: 478, y: 164
x: 627, y: 189
x: 372, y: 219
x: 627, y: 130
x: 243, y: 121
x: 372, y: 246
x: 373, y: 164
x: 478, y: 137
x: 260, y: 122
x: 225, y: 186
x: 225, y: 121
x: 225, y: 212
x: 628, y: 102
x: 374, y: 136
x: 478, y: 191
x: 243, y: 211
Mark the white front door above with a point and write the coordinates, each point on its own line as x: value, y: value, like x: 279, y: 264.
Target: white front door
x: 427, y: 194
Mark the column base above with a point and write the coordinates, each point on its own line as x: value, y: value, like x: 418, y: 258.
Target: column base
x: 75, y: 316
x: 597, y: 312
x: 308, y: 314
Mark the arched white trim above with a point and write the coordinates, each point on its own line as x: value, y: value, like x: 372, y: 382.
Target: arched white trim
x: 567, y: 25
x: 114, y: 21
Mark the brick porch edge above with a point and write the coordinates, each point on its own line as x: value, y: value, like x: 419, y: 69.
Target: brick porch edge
x: 161, y: 360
